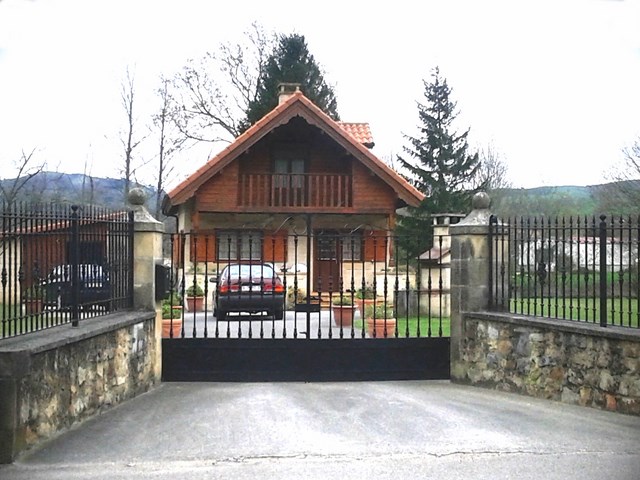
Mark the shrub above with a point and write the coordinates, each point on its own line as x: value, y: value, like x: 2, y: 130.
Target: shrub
x: 365, y: 293
x: 343, y: 300
x: 195, y: 290
x: 379, y: 311
x: 168, y: 312
x: 174, y: 299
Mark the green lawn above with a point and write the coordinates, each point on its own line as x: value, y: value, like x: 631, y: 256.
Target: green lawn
x: 8, y: 314
x: 620, y: 311
x: 13, y: 321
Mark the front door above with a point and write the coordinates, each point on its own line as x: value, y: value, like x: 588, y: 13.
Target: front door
x: 327, y: 265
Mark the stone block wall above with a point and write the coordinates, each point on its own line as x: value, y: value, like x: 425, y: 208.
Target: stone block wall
x: 567, y: 361
x: 56, y: 378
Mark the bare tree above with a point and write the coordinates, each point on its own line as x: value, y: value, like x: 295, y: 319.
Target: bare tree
x: 169, y: 140
x: 129, y: 137
x: 26, y: 168
x: 622, y: 194
x: 88, y: 191
x: 215, y: 91
x: 493, y: 171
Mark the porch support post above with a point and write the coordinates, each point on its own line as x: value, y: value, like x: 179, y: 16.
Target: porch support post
x: 470, y: 264
x: 309, y: 270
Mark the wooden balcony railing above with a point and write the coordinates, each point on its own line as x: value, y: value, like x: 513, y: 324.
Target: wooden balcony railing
x: 295, y: 191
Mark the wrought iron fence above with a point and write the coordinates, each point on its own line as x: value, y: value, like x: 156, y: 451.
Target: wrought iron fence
x: 321, y: 284
x: 62, y: 263
x: 574, y: 268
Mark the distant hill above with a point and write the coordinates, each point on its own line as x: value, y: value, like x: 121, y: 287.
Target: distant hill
x: 76, y: 188
x: 609, y: 198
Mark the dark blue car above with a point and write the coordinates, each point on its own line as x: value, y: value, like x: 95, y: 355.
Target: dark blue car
x: 94, y: 287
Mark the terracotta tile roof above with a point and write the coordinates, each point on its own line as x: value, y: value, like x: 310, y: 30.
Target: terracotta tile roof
x: 360, y: 131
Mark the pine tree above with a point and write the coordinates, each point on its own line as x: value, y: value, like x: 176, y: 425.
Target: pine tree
x: 437, y: 163
x: 291, y: 62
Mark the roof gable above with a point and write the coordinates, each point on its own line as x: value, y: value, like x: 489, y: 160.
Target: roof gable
x: 348, y: 135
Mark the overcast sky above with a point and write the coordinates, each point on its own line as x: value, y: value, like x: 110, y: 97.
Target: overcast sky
x: 554, y: 87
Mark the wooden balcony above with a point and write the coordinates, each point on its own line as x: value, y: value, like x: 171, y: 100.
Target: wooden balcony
x: 295, y: 191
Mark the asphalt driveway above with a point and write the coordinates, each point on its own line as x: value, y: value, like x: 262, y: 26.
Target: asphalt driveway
x: 387, y: 430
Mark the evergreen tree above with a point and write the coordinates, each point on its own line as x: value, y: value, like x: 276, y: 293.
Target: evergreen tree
x: 437, y: 163
x: 291, y: 62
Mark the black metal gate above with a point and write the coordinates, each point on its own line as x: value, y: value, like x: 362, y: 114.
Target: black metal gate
x: 271, y: 311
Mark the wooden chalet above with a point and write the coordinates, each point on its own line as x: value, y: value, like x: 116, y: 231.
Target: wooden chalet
x: 294, y: 176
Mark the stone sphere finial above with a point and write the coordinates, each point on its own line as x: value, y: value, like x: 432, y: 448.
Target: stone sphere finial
x: 137, y: 196
x: 480, y: 201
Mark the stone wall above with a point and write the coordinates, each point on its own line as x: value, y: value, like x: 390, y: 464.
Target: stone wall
x: 55, y: 378
x: 567, y: 361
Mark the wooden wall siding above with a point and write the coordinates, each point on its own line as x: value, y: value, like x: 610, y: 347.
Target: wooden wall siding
x: 275, y: 247
x: 220, y: 193
x: 177, y: 242
x: 203, y: 247
x: 370, y: 193
x: 333, y: 180
x: 43, y: 251
x: 377, y: 247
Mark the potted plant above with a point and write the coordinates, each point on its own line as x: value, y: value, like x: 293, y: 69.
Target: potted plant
x: 343, y: 311
x: 195, y: 297
x: 365, y: 296
x: 380, y: 320
x: 172, y: 316
x: 32, y: 299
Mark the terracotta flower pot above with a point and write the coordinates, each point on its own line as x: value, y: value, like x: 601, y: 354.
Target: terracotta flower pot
x: 343, y: 315
x: 171, y: 328
x: 195, y: 304
x: 383, y: 328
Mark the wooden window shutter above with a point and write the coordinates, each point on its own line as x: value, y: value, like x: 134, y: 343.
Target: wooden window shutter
x: 203, y: 247
x: 177, y: 249
x: 375, y: 242
x: 274, y: 247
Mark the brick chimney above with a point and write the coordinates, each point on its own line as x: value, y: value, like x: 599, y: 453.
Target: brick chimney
x: 286, y: 91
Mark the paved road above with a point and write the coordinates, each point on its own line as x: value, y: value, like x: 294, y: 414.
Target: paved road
x: 386, y: 430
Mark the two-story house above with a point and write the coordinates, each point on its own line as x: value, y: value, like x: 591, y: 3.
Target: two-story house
x: 298, y: 190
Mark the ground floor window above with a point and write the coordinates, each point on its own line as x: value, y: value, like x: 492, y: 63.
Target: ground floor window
x: 352, y: 247
x: 239, y: 245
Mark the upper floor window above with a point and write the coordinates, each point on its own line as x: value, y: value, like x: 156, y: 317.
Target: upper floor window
x: 289, y: 165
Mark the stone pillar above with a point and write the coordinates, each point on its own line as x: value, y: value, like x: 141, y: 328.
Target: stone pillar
x: 147, y: 252
x: 470, y: 265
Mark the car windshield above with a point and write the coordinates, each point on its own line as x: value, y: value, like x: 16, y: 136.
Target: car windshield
x: 248, y: 271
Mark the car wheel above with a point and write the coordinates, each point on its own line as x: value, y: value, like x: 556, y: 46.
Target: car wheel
x: 278, y: 314
x: 220, y: 315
